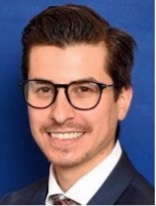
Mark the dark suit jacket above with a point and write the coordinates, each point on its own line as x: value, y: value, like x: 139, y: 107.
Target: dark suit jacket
x: 124, y: 186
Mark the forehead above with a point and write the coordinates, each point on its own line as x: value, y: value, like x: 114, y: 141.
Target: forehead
x: 69, y: 63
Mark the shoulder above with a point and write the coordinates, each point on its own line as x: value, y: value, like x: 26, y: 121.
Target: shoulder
x: 138, y: 192
x: 32, y: 194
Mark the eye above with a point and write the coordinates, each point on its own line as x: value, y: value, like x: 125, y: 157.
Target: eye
x: 84, y: 90
x: 43, y: 90
x: 87, y: 88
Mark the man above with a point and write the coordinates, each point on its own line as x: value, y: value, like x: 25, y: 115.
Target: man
x: 76, y: 71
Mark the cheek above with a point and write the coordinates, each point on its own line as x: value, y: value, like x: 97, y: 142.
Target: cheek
x: 36, y: 119
x: 105, y: 120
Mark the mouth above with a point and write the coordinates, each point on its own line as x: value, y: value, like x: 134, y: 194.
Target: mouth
x: 65, y: 135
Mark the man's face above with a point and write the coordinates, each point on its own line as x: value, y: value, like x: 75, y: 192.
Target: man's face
x: 67, y: 136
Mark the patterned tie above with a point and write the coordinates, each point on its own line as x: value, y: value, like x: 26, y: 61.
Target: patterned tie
x: 62, y: 200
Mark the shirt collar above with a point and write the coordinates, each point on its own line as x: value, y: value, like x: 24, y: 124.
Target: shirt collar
x: 92, y: 180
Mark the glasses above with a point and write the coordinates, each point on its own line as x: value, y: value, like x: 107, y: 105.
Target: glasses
x: 82, y: 95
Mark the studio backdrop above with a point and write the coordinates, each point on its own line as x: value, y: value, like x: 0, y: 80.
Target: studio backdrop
x: 21, y: 162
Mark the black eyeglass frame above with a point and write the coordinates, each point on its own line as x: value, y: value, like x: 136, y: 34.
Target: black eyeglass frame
x: 101, y: 86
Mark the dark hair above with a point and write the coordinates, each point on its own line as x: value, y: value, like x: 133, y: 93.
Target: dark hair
x: 76, y: 24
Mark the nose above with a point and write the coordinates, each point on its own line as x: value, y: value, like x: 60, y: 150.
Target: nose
x: 61, y: 110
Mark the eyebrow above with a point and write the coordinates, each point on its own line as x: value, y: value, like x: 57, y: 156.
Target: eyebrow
x: 92, y: 79
x: 42, y: 80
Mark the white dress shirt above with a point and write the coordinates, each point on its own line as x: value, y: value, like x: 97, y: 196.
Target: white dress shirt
x: 86, y: 187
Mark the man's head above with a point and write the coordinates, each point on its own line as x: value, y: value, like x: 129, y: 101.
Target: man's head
x: 66, y: 25
x: 67, y: 44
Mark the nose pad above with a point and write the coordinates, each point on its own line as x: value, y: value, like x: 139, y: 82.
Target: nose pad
x: 61, y: 109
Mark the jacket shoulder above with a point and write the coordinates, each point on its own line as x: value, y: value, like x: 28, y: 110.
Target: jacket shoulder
x: 28, y: 195
x: 124, y: 186
x: 138, y: 192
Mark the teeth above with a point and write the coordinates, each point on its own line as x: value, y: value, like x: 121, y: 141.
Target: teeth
x: 67, y: 135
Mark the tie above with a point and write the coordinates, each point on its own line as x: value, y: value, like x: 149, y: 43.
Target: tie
x: 62, y: 200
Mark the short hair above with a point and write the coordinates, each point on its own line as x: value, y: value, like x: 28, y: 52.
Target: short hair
x: 71, y: 24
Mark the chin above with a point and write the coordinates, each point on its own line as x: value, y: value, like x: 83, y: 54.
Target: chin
x: 64, y: 161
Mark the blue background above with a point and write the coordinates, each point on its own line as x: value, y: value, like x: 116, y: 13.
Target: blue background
x: 21, y: 162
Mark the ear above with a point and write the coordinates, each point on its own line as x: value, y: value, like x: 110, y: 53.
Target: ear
x: 123, y: 102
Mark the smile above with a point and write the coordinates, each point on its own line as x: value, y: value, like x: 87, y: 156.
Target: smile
x: 66, y: 135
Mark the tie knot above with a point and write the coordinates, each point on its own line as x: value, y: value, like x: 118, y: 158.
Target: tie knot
x: 60, y: 199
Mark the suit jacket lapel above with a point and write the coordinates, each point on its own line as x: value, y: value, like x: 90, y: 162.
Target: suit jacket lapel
x: 40, y: 196
x: 116, y: 183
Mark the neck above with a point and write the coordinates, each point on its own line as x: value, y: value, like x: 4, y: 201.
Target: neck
x: 66, y: 177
